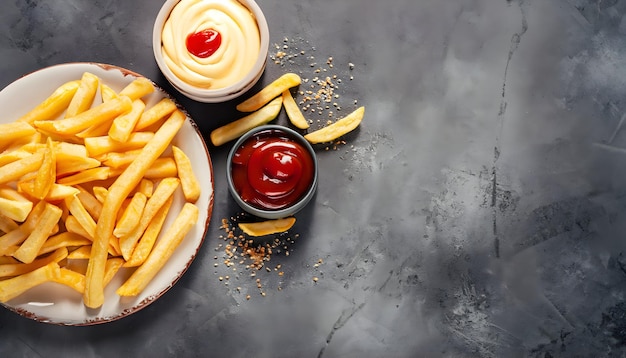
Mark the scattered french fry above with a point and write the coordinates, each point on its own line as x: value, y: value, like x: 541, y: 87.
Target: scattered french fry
x: 155, y: 113
x: 269, y: 92
x: 137, y: 88
x: 47, y: 173
x: 267, y: 227
x: 128, y: 220
x: 37, y: 237
x: 15, y: 130
x: 293, y: 111
x: 235, y: 129
x: 337, y: 129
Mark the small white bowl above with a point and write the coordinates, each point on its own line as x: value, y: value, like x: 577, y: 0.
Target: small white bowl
x: 212, y: 95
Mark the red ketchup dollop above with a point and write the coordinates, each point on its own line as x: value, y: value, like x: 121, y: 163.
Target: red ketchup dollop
x: 271, y: 171
x: 203, y: 43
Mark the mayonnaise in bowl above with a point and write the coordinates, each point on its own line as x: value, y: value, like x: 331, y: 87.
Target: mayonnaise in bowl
x: 211, y: 48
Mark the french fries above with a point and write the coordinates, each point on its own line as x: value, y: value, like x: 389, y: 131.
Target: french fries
x: 235, y: 129
x: 268, y: 93
x: 82, y: 179
x: 267, y: 227
x: 337, y: 129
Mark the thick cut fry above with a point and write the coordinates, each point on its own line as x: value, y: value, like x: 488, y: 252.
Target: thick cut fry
x: 112, y: 266
x: 15, y: 130
x: 86, y: 176
x: 119, y: 160
x: 271, y: 91
x: 107, y: 93
x: 71, y: 279
x: 82, y: 253
x: 11, y: 194
x: 100, y: 193
x: 133, y: 211
x: 18, y: 168
x: 14, y: 209
x: 92, y: 117
x: 146, y: 186
x: 15, y: 286
x: 81, y: 214
x: 7, y: 224
x: 9, y: 270
x: 99, y: 145
x: 293, y: 111
x: 137, y: 88
x: 119, y: 190
x: 98, y: 130
x: 57, y: 192
x: 163, y: 192
x: 54, y: 105
x: 149, y: 237
x: 47, y: 174
x: 337, y: 129
x: 163, y: 250
x: 235, y: 129
x: 188, y: 180
x: 75, y: 165
x: 155, y: 113
x: 84, y: 96
x: 35, y: 240
x: 267, y: 227
x: 11, y: 156
x: 124, y: 124
x: 90, y: 202
x: 64, y: 239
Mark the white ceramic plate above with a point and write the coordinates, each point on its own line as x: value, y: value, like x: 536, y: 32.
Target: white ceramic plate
x: 58, y: 304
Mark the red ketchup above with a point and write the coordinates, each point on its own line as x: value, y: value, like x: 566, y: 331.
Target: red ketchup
x: 271, y: 171
x: 203, y: 43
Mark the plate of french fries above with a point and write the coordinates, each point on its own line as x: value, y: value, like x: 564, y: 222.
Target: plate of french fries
x: 106, y: 193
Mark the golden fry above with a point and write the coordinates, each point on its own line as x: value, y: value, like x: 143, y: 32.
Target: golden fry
x: 71, y: 279
x: 15, y: 130
x: 150, y: 235
x: 86, y: 176
x: 162, y: 193
x: 293, y: 111
x: 47, y: 173
x: 162, y: 251
x: 64, y: 239
x: 235, y: 129
x: 18, y: 168
x: 271, y: 91
x: 14, y: 209
x: 133, y: 211
x: 92, y: 117
x: 107, y: 93
x: 54, y: 105
x: 188, y: 180
x: 37, y: 237
x: 8, y: 270
x: 124, y: 124
x: 267, y: 227
x: 81, y: 214
x: 337, y: 129
x: 137, y: 88
x: 119, y: 190
x: 155, y: 113
x: 15, y: 286
x: 100, y: 145
x: 84, y: 96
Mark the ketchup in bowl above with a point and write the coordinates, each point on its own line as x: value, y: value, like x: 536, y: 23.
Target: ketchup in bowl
x: 272, y: 169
